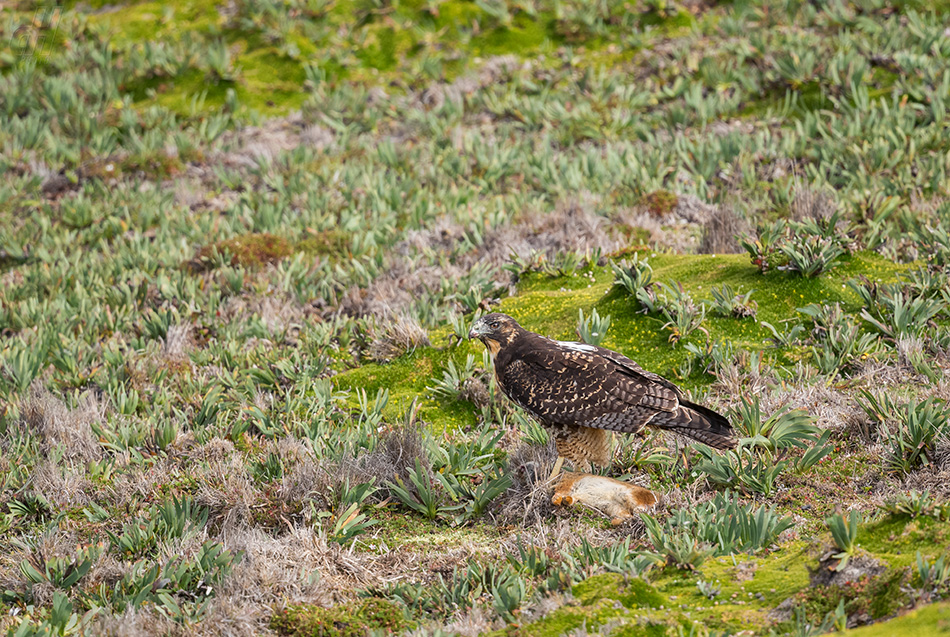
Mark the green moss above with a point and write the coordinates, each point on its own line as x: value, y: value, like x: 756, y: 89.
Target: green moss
x: 270, y: 81
x: 333, y: 242
x: 347, y: 620
x: 669, y: 23
x: 749, y: 587
x: 406, y: 378
x: 379, y: 51
x: 660, y: 202
x: 138, y: 22
x: 869, y: 597
x: 551, y: 304
x: 632, y: 593
x: 644, y: 630
x: 385, y: 45
x: 249, y: 250
x: 636, y: 236
x: 808, y: 97
x: 567, y: 619
x: 896, y: 540
x: 266, y: 81
x: 414, y: 532
x: 921, y: 622
x: 523, y: 36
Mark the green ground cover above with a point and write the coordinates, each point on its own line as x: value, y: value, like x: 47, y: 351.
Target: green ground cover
x: 241, y: 244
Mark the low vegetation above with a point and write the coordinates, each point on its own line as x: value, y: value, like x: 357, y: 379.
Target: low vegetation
x: 242, y: 244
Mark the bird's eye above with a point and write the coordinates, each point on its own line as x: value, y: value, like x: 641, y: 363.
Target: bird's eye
x: 494, y: 325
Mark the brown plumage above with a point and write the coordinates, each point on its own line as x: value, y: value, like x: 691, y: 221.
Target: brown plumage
x: 581, y: 392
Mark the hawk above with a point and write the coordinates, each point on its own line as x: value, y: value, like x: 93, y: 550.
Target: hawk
x: 581, y: 392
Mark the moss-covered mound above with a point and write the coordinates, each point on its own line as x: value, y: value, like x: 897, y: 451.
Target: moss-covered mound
x: 355, y: 619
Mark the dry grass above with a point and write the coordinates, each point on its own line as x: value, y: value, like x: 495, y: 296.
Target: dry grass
x: 393, y: 337
x: 811, y: 203
x: 528, y: 501
x: 721, y: 232
x: 178, y: 341
x: 61, y: 427
x: 227, y: 489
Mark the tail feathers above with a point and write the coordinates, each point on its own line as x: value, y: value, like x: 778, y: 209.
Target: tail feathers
x: 699, y: 423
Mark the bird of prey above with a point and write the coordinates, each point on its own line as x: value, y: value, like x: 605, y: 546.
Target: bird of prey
x: 581, y: 393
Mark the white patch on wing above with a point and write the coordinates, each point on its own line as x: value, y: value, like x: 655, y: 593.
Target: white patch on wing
x: 577, y: 347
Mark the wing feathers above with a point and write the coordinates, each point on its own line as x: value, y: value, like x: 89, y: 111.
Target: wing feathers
x: 570, y: 385
x: 576, y: 384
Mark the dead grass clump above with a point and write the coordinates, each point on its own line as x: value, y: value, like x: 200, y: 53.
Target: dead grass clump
x: 300, y: 566
x: 249, y: 250
x: 910, y: 349
x: 318, y: 137
x: 810, y: 203
x: 942, y: 452
x: 398, y: 289
x: 474, y: 390
x: 573, y: 226
x: 308, y: 479
x: 61, y: 485
x: 528, y: 500
x: 472, y: 623
x: 737, y: 377
x: 216, y: 449
x: 37, y: 551
x: 281, y: 314
x: 394, y: 337
x: 934, y: 478
x: 177, y: 342
x: 677, y: 230
x: 226, y: 488
x: 694, y: 210
x: 189, y: 192
x: 395, y: 455
x: 259, y: 144
x: 139, y: 621
x: 721, y: 232
x: 442, y: 235
x: 831, y: 409
x: 58, y: 425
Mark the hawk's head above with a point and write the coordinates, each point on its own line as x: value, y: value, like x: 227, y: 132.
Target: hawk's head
x: 495, y: 330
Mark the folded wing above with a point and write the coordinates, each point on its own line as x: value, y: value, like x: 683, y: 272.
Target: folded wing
x: 563, y: 384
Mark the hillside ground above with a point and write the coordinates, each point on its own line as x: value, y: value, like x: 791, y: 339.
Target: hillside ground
x: 242, y: 242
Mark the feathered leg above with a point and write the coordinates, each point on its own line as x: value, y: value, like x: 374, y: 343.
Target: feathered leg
x: 557, y: 468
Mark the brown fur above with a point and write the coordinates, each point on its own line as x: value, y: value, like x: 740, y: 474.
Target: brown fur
x: 618, y: 500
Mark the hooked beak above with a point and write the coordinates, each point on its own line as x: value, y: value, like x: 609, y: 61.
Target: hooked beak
x: 479, y: 329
